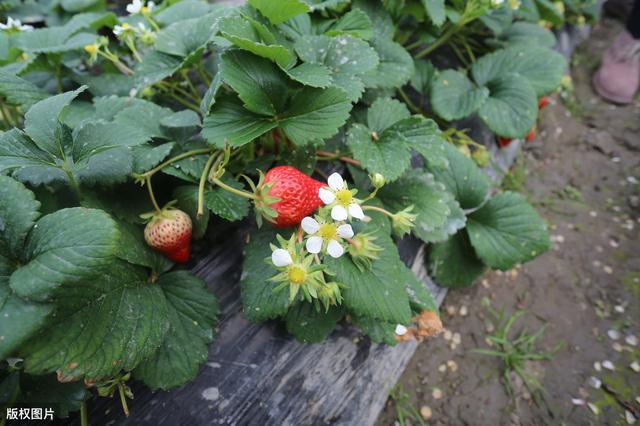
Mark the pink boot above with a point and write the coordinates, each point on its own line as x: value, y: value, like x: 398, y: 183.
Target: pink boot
x: 618, y: 78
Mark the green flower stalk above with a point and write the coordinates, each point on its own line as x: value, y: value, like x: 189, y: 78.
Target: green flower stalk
x: 296, y: 271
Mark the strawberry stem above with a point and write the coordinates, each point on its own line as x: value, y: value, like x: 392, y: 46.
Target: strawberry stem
x: 170, y: 161
x: 152, y: 196
x: 328, y: 156
x: 123, y: 399
x: 378, y: 209
x: 84, y: 418
x: 233, y: 190
x: 203, y: 180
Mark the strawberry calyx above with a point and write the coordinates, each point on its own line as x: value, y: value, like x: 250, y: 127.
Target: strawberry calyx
x: 166, y: 212
x: 263, y: 201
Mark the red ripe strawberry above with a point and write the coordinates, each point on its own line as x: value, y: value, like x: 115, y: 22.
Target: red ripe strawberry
x: 543, y: 102
x: 297, y: 194
x: 169, y: 232
x: 504, y: 142
x: 531, y: 135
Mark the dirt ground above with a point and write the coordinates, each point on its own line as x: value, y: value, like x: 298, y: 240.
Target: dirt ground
x: 582, y: 174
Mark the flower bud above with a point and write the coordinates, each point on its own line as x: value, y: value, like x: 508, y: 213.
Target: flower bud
x: 464, y: 150
x: 377, y: 180
x: 363, y: 250
x: 403, y: 221
x: 330, y: 295
x: 481, y: 156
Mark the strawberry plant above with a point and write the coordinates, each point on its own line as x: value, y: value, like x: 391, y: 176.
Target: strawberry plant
x: 324, y: 130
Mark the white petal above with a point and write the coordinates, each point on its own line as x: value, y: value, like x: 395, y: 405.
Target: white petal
x: 339, y: 213
x: 281, y: 257
x: 356, y: 211
x: 314, y: 245
x: 345, y: 231
x: 310, y: 225
x: 335, y: 181
x: 326, y: 196
x: 401, y: 330
x: 335, y: 249
x: 150, y: 5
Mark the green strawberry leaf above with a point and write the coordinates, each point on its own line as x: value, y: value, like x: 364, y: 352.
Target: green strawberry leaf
x: 259, y: 301
x: 42, y: 121
x: 260, y: 84
x: 156, y: 66
x: 355, y: 23
x: 315, y: 5
x: 21, y: 319
x: 63, y: 249
x: 250, y: 35
x: 93, y: 137
x: 133, y: 248
x: 192, y: 312
x: 389, y: 155
x: 435, y: 10
x: 422, y: 135
x: 185, y: 37
x: 429, y: 199
x: 309, y: 323
x: 118, y: 320
x: 420, y: 298
x: 378, y: 331
x: 455, y: 222
x: 345, y: 56
x: 19, y: 210
x: 454, y: 263
x: 454, y: 96
x: 229, y: 122
x: 53, y: 40
x: 375, y: 293
x: 379, y: 17
x: 187, y: 197
x: 395, y: 67
x: 147, y: 156
x: 315, y: 114
x: 527, y: 34
x: 498, y: 20
x: 385, y: 112
x: 228, y: 206
x: 279, y: 11
x: 512, y: 106
x: 147, y: 117
x: 186, y: 9
x: 423, y: 77
x: 20, y: 92
x: 543, y: 68
x: 463, y: 178
x: 507, y: 231
x: 313, y: 75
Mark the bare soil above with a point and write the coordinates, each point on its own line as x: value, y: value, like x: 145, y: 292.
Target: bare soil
x: 582, y: 173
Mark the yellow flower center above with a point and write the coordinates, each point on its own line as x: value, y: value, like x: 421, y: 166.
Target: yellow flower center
x: 125, y: 26
x: 297, y: 274
x: 344, y: 197
x: 144, y: 11
x: 328, y: 231
x: 92, y: 49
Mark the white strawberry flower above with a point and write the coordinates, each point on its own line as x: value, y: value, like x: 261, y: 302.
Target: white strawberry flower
x: 137, y: 6
x: 123, y: 30
x: 281, y: 258
x: 329, y: 235
x: 341, y: 197
x: 15, y: 24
